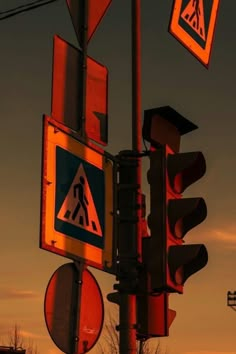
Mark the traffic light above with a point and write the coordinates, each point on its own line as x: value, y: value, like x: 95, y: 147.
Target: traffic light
x: 154, y: 317
x: 169, y: 262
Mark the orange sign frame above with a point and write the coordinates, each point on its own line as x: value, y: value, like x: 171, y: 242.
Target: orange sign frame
x: 181, y: 29
x: 57, y: 241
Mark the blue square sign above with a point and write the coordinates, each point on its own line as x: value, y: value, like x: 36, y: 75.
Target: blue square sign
x: 79, y: 202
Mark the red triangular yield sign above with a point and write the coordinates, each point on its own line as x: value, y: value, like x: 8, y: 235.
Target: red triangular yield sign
x: 96, y: 11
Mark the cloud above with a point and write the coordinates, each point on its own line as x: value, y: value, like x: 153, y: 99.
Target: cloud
x: 8, y: 294
x: 31, y: 335
x: 226, y: 236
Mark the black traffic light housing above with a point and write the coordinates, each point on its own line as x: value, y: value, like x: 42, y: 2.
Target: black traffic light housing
x: 154, y: 317
x: 169, y: 262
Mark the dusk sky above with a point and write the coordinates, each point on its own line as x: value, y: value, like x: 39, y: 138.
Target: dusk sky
x: 170, y: 76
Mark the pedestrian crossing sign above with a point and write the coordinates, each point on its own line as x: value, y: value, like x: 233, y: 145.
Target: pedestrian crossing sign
x: 78, y: 207
x: 193, y: 24
x: 77, y: 199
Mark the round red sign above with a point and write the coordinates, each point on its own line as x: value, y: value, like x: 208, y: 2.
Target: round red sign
x: 74, y: 309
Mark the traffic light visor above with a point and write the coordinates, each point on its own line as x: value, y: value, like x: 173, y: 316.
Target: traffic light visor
x: 184, y: 214
x: 185, y: 261
x: 184, y: 169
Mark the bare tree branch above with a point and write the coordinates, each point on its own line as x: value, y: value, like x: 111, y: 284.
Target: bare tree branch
x: 16, y: 340
x: 32, y: 347
x: 109, y: 341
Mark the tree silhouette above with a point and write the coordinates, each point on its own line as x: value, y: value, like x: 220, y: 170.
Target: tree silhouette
x: 109, y: 340
x: 17, y: 341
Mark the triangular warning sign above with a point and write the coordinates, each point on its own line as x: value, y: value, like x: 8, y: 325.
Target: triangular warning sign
x: 193, y: 14
x: 78, y: 207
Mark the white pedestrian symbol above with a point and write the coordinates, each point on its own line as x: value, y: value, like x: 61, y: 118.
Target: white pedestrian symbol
x: 79, y: 208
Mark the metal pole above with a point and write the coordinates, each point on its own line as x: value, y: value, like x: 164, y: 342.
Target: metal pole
x: 79, y: 268
x: 83, y: 41
x: 127, y: 247
x: 136, y: 107
x: 137, y: 119
x: 136, y: 75
x: 127, y: 324
x: 131, y: 232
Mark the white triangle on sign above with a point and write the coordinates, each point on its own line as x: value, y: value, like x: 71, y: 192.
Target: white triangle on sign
x: 193, y: 14
x: 78, y: 207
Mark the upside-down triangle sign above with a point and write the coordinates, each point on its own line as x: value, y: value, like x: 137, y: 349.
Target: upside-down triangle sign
x: 78, y: 207
x: 193, y: 14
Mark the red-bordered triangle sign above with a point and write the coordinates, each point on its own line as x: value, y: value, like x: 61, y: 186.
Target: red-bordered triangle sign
x: 96, y: 11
